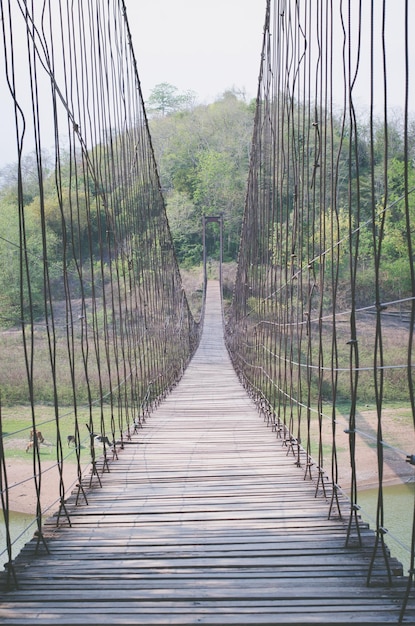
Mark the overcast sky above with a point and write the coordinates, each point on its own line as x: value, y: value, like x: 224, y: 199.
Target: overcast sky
x: 206, y: 46
x: 209, y: 46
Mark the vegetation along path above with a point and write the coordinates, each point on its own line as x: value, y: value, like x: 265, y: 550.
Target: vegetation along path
x: 204, y: 518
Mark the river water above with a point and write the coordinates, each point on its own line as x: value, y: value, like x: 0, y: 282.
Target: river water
x: 398, y: 517
x: 22, y: 528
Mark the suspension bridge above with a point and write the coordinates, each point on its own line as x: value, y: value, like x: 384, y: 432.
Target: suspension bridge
x: 205, y: 516
x: 198, y: 456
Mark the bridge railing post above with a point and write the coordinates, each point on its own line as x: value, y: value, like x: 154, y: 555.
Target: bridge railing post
x: 219, y: 220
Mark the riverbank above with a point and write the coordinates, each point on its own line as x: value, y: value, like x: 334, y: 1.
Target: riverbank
x: 22, y: 488
x: 22, y: 492
x: 399, y: 442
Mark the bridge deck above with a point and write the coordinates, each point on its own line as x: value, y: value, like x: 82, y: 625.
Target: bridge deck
x: 204, y: 518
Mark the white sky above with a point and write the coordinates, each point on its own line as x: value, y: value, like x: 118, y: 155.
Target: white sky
x: 207, y: 46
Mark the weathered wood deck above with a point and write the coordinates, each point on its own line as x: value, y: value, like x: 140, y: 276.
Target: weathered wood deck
x: 203, y: 519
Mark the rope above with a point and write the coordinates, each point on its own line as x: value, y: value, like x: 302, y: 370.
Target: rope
x: 103, y: 317
x: 303, y: 332
x: 102, y: 313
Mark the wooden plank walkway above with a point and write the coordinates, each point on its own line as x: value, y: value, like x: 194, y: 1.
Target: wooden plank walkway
x: 203, y: 519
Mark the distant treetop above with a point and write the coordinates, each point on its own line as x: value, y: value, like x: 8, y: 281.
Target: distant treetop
x: 165, y: 99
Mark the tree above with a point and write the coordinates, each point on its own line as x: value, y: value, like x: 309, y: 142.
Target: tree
x: 14, y: 288
x: 30, y: 175
x: 204, y: 154
x: 165, y: 99
x: 185, y: 227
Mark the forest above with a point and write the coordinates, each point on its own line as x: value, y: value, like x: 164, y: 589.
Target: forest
x: 203, y: 153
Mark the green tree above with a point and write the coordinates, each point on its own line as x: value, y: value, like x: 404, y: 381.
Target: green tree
x: 165, y: 99
x: 395, y: 237
x: 13, y: 285
x: 204, y: 154
x: 185, y: 227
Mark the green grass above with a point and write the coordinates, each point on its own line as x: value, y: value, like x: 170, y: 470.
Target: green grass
x: 17, y: 424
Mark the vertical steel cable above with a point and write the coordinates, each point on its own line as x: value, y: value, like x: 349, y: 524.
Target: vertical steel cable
x: 311, y: 346
x: 409, y: 226
x: 353, y: 341
x: 335, y: 236
x: 126, y: 332
x: 378, y: 364
x: 25, y: 284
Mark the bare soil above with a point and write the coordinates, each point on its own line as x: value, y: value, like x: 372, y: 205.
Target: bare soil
x: 399, y: 443
x: 22, y: 487
x: 396, y: 469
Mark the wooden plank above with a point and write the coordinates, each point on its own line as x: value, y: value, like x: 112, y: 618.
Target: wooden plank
x: 204, y: 518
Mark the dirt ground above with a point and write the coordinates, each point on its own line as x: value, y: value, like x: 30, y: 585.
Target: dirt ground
x: 22, y: 490
x: 397, y: 432
x: 399, y: 442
